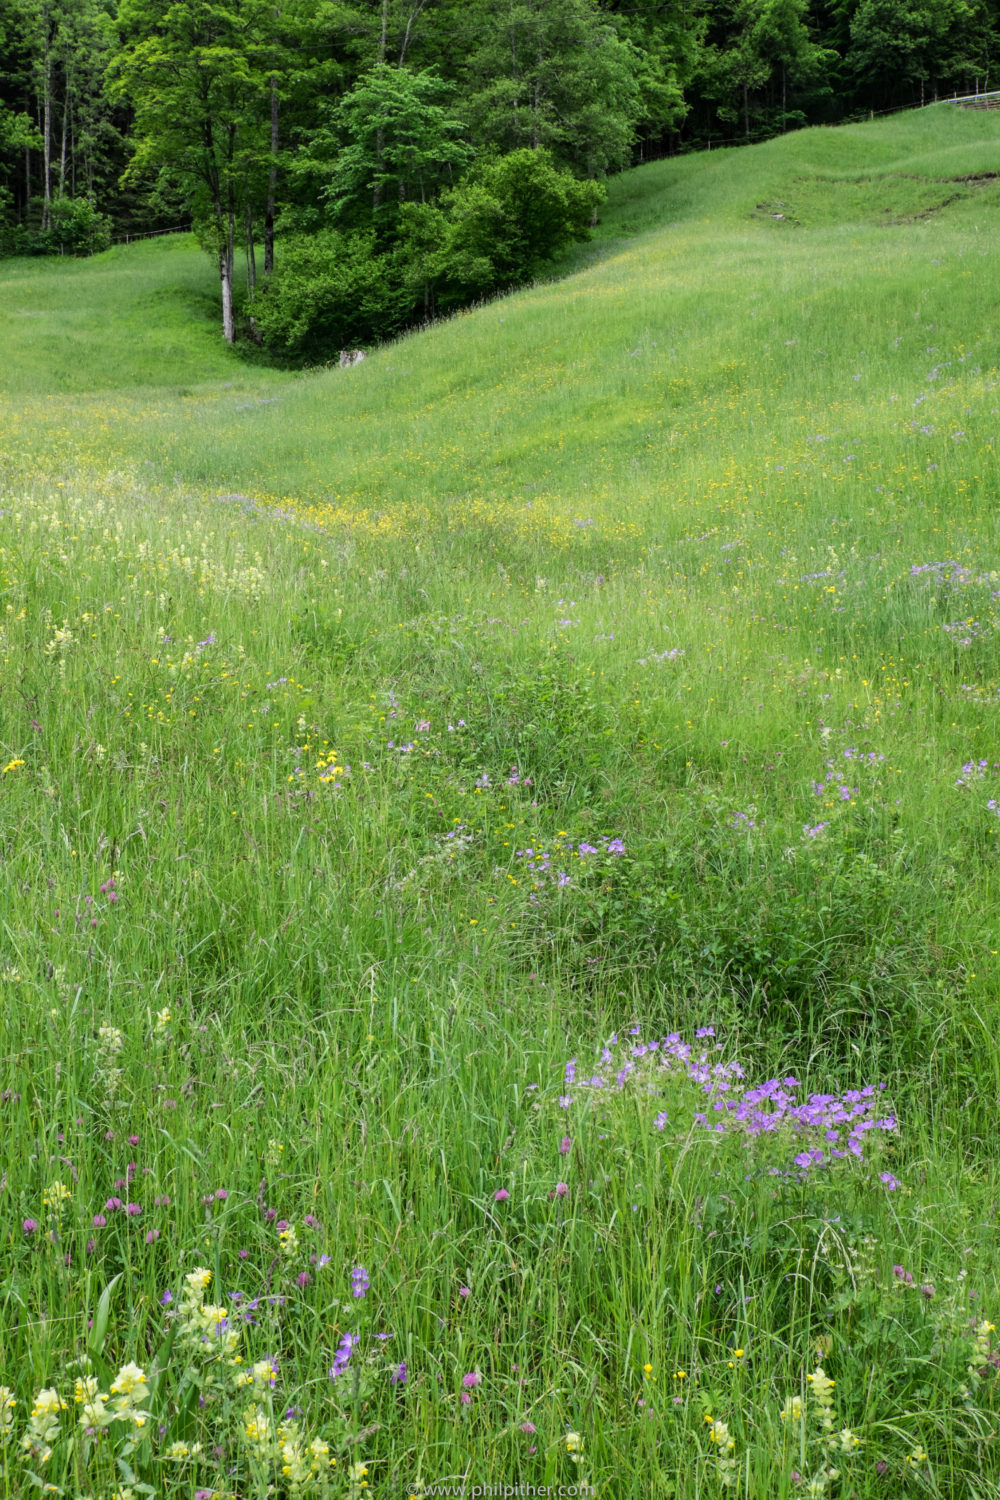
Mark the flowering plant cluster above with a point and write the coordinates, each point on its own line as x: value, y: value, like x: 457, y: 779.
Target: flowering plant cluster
x: 687, y: 1089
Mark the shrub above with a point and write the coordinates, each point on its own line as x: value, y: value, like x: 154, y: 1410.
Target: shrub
x: 76, y: 228
x: 493, y: 231
x: 333, y: 292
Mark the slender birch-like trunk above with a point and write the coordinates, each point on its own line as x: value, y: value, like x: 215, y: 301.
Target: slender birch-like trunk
x: 226, y: 257
x: 46, y: 122
x: 272, y: 183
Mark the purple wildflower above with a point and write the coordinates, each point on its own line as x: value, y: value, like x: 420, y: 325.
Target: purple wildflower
x: 360, y: 1281
x: 342, y: 1357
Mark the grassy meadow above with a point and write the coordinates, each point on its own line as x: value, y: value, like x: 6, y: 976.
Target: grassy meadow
x: 500, y: 852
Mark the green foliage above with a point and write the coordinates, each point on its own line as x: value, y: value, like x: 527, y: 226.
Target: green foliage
x: 554, y: 73
x: 499, y: 227
x: 516, y: 213
x: 75, y: 227
x: 333, y: 292
x: 397, y: 144
x: 898, y: 43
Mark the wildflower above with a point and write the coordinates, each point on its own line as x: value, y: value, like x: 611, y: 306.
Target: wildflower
x: 471, y: 1380
x: 399, y: 1375
x: 264, y: 1373
x: 7, y: 1405
x: 793, y: 1410
x: 29, y: 1226
x: 43, y: 1425
x: 130, y: 1388
x: 574, y: 1447
x: 259, y: 1434
x: 562, y: 1188
x: 320, y: 1455
x: 916, y: 1456
x: 565, y: 1146
x: 343, y: 1354
x: 822, y: 1393
x: 357, y: 1476
x: 360, y: 1281
x: 55, y: 1197
x: 501, y: 1195
x: 980, y: 1347
x: 529, y: 1429
x: 288, y: 1240
x: 180, y: 1453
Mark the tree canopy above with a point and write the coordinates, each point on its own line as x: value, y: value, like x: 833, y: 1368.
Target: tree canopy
x: 387, y: 123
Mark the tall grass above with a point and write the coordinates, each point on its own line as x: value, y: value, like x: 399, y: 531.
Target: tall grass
x: 616, y: 661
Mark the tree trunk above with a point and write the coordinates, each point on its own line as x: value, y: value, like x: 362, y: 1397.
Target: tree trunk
x: 46, y: 124
x: 746, y: 109
x: 226, y: 278
x: 415, y: 10
x: 62, y: 151
x: 251, y: 256
x: 272, y: 182
x: 784, y: 97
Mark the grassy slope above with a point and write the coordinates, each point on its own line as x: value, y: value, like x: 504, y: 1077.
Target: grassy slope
x: 650, y: 532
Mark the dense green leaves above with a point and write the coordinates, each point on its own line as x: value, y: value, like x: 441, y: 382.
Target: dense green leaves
x: 257, y: 121
x: 497, y: 228
x: 397, y: 142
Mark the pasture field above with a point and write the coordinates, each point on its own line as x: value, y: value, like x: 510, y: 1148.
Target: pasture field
x: 501, y: 859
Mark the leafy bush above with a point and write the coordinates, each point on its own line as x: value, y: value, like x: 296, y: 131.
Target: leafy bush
x: 493, y: 231
x: 499, y: 226
x: 76, y: 228
x: 333, y: 292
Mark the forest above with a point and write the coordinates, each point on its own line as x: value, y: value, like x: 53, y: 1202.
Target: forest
x: 384, y: 141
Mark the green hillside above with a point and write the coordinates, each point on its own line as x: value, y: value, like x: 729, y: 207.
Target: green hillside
x: 394, y: 754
